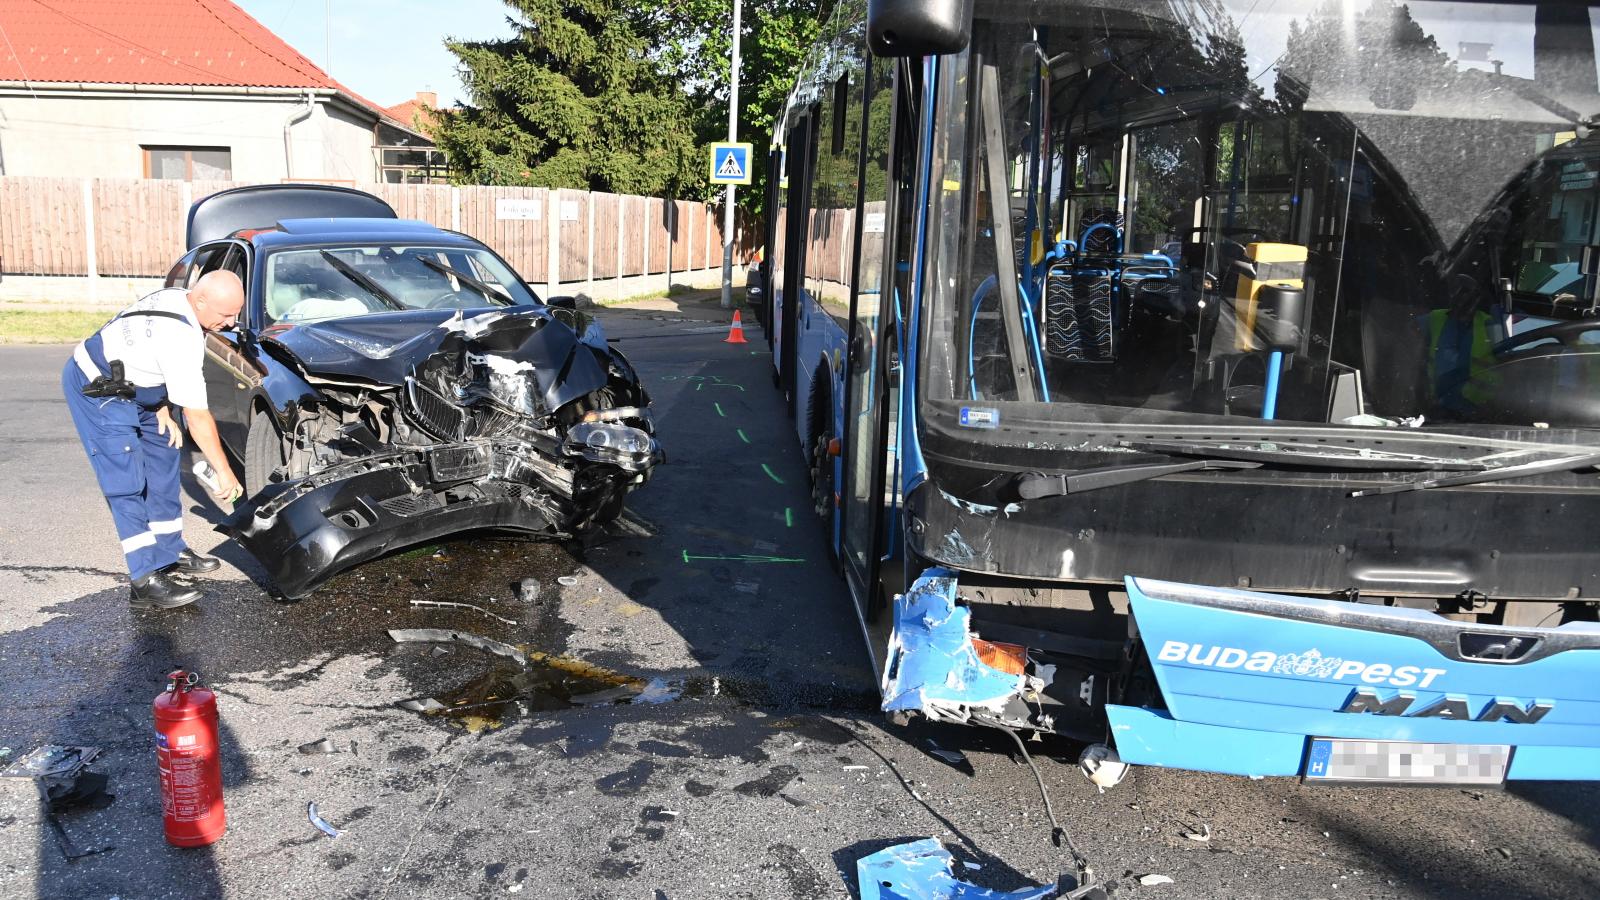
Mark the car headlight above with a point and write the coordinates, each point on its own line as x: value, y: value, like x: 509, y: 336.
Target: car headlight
x: 611, y: 442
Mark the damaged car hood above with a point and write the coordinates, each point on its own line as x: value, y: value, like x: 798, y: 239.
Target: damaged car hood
x: 386, y: 348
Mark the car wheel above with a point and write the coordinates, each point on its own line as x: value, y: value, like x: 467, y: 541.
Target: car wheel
x: 263, y: 452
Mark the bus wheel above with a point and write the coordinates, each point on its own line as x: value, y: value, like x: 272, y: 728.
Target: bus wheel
x: 822, y: 476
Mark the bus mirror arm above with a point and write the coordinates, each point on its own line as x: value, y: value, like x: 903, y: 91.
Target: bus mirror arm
x: 910, y: 28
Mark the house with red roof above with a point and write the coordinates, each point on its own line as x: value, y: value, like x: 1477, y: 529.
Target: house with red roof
x: 189, y: 90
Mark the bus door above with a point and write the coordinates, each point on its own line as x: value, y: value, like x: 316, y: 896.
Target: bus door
x: 888, y: 167
x: 790, y: 262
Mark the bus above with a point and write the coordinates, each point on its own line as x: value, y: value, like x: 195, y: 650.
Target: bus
x: 1211, y: 382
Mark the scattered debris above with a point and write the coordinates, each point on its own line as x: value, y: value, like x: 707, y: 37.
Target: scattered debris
x: 855, y: 768
x: 51, y: 761
x: 1202, y: 835
x: 953, y: 757
x: 439, y: 651
x: 567, y: 580
x: 1152, y: 880
x: 321, y: 823
x: 528, y: 590
x: 921, y: 870
x: 425, y: 705
x: 446, y: 636
x: 1503, y: 852
x: 1101, y: 765
x: 85, y: 790
x: 5, y: 753
x: 451, y: 604
x: 323, y: 745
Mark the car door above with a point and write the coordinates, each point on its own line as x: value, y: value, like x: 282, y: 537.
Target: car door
x: 232, y: 373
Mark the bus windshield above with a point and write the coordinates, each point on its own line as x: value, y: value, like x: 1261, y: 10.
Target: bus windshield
x: 1347, y: 212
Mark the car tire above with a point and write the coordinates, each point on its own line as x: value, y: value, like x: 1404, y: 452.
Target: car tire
x: 263, y: 452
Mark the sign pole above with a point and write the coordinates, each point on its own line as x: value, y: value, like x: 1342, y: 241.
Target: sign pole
x: 733, y: 135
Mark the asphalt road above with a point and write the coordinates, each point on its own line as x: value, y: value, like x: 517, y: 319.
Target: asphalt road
x: 767, y: 773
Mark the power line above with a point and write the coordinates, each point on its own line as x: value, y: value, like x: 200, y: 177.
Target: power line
x: 18, y: 57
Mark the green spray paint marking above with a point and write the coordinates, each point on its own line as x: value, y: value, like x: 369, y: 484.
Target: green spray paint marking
x: 687, y: 556
x: 788, y: 517
x: 771, y: 474
x: 719, y: 410
x: 740, y: 432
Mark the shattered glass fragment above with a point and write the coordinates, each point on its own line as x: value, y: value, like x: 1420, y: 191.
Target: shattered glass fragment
x: 51, y: 761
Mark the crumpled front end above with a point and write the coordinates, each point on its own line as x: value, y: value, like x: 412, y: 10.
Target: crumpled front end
x: 526, y: 423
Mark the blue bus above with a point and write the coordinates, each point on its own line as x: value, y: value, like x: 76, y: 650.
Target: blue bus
x: 1215, y: 385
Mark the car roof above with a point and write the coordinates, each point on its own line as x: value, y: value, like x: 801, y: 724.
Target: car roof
x: 321, y: 232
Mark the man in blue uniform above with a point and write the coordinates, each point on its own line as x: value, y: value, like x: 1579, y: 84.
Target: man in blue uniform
x: 122, y: 385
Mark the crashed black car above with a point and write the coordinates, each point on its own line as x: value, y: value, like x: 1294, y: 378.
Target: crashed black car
x: 392, y: 383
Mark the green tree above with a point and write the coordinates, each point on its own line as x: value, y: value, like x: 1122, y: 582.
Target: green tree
x: 692, y: 40
x: 574, y: 100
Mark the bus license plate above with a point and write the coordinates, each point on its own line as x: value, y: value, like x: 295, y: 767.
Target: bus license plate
x: 1336, y: 759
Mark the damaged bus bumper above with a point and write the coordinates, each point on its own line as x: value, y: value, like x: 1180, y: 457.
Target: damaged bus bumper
x: 308, y: 530
x: 1267, y: 685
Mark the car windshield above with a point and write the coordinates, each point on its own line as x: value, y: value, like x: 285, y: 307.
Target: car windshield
x: 1346, y: 212
x: 310, y: 284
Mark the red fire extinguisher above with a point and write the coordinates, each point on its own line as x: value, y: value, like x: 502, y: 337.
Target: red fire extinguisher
x: 190, y: 762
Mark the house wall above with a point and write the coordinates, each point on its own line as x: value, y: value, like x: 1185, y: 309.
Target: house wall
x: 80, y: 134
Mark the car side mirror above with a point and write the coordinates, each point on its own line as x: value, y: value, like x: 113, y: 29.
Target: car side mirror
x: 918, y: 27
x: 563, y: 303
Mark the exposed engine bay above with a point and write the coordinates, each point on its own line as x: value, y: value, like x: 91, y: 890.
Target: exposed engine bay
x: 523, y: 420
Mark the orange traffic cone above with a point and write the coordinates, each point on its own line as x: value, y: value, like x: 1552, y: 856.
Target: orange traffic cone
x: 735, y: 331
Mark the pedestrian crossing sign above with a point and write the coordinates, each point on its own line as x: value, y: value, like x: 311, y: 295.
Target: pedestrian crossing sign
x: 730, y: 163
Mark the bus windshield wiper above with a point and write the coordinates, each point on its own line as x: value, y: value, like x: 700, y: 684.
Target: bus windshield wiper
x: 366, y: 282
x: 1036, y: 485
x: 1487, y: 476
x: 489, y: 292
x: 1311, y: 456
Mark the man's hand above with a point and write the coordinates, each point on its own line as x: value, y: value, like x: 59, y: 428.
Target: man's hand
x: 228, y: 487
x: 165, y: 425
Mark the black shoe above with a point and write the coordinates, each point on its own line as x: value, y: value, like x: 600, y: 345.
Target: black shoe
x: 192, y: 563
x: 159, y: 591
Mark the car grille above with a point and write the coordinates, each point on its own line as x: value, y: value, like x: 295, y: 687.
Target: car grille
x: 412, y: 504
x: 438, y: 416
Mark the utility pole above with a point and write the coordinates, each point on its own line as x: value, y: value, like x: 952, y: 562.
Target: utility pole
x: 733, y: 135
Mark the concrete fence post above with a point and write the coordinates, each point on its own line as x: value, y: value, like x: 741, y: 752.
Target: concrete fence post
x: 622, y: 209
x: 552, y: 233
x: 90, y: 263
x: 588, y: 280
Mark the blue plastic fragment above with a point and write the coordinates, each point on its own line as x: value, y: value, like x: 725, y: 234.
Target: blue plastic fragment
x: 920, y: 870
x: 932, y: 663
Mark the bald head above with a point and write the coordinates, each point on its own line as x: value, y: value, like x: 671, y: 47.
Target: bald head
x: 216, y: 299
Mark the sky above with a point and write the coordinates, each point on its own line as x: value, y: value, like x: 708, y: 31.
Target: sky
x: 384, y: 50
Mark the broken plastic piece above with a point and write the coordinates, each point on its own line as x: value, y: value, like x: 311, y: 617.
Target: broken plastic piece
x: 1101, y: 765
x: 933, y: 666
x: 425, y: 705
x: 1153, y: 879
x: 1009, y: 658
x: 567, y: 580
x: 445, y: 636
x: 953, y: 757
x: 323, y: 745
x: 321, y: 823
x: 450, y: 604
x: 1199, y: 835
x: 51, y: 761
x: 528, y: 590
x: 921, y: 870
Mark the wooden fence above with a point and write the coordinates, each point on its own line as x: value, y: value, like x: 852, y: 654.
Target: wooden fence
x: 135, y: 227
